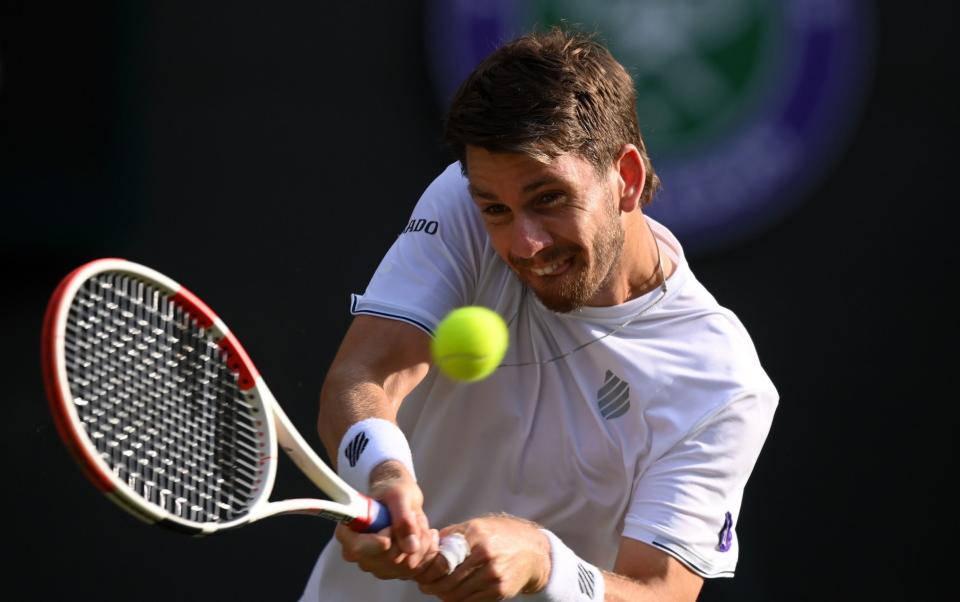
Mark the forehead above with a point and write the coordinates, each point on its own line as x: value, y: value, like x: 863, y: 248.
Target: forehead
x: 488, y: 170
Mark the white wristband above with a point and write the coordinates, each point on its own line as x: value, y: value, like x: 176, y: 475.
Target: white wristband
x: 571, y: 578
x: 366, y: 445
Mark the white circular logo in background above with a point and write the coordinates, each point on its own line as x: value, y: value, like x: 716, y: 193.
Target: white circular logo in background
x: 743, y: 104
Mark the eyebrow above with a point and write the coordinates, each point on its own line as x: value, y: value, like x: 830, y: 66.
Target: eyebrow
x: 539, y: 183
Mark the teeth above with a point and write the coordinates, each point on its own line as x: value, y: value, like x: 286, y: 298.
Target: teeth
x: 544, y: 271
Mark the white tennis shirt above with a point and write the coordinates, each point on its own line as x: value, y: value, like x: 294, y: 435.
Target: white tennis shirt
x: 650, y: 433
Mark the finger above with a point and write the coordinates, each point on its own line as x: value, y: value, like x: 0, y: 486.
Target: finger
x: 478, y: 585
x: 433, y: 571
x: 431, y: 546
x: 445, y: 584
x: 429, y: 538
x: 454, y: 549
x: 346, y: 539
x: 406, y: 524
x: 389, y: 565
x: 488, y: 595
x: 433, y: 566
x: 357, y: 545
x: 394, y: 487
x: 372, y: 544
x: 429, y: 541
x: 419, y: 561
x: 365, y: 542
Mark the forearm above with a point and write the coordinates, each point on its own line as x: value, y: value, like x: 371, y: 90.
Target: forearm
x: 653, y: 575
x: 379, y: 362
x: 346, y: 399
x: 624, y: 589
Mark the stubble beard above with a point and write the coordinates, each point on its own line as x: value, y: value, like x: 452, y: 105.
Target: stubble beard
x: 576, y: 289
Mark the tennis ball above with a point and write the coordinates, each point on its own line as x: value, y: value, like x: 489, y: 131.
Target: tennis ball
x: 469, y: 343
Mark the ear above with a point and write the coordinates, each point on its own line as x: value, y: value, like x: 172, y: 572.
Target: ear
x: 632, y: 175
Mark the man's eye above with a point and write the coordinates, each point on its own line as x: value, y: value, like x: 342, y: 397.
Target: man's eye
x: 494, y: 210
x: 550, y: 198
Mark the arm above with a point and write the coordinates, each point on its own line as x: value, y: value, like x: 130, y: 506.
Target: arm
x: 379, y: 362
x: 511, y: 557
x: 643, y: 572
x: 705, y: 472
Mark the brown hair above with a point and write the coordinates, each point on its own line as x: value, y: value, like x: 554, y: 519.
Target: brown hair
x: 546, y: 94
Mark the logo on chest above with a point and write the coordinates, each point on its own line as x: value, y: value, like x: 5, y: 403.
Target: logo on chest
x: 613, y: 398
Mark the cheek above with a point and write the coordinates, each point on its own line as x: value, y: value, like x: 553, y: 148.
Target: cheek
x: 500, y: 241
x: 575, y: 235
x: 563, y: 232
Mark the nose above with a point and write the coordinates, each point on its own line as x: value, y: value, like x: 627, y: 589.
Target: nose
x: 528, y: 237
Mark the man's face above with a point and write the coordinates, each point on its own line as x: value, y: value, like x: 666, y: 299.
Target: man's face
x: 556, y: 224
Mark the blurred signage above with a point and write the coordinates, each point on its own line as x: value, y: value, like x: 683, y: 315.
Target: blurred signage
x: 744, y: 104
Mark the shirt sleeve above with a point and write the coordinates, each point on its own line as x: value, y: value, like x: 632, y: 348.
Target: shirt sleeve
x: 687, y: 502
x: 434, y: 264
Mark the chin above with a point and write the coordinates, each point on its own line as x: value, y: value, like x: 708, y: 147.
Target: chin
x: 563, y: 294
x: 558, y: 300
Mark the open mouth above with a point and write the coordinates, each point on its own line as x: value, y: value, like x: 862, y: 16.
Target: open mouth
x: 553, y: 269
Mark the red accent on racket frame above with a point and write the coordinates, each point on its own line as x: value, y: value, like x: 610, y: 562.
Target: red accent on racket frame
x: 59, y: 407
x: 238, y: 361
x: 195, y: 307
x: 362, y: 523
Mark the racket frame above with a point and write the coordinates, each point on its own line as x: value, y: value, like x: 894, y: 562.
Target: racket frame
x: 346, y: 504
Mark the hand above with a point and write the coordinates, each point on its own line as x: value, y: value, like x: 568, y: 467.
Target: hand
x: 409, y: 545
x: 508, y: 556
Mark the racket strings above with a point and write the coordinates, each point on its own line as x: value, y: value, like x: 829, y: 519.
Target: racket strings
x: 154, y: 395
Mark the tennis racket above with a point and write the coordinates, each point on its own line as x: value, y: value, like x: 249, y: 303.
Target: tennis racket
x: 165, y: 412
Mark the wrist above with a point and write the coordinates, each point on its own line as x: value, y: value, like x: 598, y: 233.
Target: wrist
x: 389, y: 470
x: 571, y: 579
x: 541, y: 574
x: 373, y: 449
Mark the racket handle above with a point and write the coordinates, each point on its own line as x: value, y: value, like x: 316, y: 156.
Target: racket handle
x: 454, y: 548
x: 378, y: 517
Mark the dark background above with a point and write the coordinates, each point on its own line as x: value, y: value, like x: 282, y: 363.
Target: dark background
x: 266, y: 157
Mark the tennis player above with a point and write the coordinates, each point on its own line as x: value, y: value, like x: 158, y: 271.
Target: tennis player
x: 607, y: 457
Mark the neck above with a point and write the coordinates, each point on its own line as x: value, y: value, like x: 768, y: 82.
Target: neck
x: 645, y: 264
x: 641, y: 267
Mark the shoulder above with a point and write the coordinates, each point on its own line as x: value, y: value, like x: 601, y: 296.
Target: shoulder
x: 446, y: 209
x: 704, y: 343
x: 448, y: 190
x: 687, y: 362
x: 716, y: 344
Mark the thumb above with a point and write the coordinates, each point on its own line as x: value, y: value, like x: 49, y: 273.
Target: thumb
x: 404, y: 499
x: 407, y: 522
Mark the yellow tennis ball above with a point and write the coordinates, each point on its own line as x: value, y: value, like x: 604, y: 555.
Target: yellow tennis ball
x: 469, y: 343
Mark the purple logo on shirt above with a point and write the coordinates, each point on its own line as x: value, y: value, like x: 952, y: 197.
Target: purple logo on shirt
x: 726, y: 534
